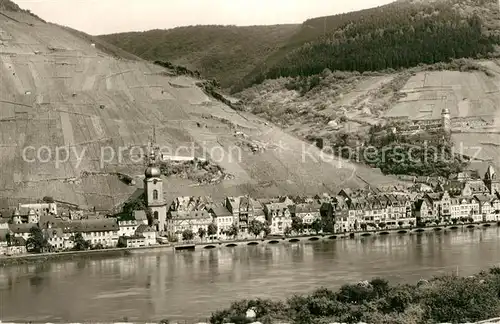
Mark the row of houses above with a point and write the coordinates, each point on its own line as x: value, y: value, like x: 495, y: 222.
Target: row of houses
x: 348, y: 211
x: 60, y: 233
x: 463, y: 198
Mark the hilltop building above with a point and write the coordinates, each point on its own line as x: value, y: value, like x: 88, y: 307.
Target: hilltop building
x: 445, y: 122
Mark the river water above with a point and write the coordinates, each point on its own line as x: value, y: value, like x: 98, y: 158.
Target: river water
x: 188, y: 286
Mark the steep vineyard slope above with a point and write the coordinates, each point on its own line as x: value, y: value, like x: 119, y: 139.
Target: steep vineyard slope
x: 59, y: 91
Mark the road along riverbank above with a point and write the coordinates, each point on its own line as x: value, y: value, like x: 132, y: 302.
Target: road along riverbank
x: 122, y: 252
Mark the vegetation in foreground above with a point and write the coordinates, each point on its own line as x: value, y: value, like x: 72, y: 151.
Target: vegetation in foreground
x: 443, y: 299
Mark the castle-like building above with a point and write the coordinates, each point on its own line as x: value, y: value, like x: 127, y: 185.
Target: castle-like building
x: 445, y: 122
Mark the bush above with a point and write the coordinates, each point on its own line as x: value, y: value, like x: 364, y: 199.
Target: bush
x: 442, y: 299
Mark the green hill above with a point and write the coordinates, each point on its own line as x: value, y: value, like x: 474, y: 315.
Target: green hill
x: 226, y: 53
x: 401, y: 34
x: 398, y: 35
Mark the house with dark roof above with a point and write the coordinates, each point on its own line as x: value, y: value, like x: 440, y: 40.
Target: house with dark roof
x: 223, y: 218
x: 245, y: 209
x: 56, y: 238
x: 102, y: 231
x: 21, y: 230
x: 466, y: 207
x: 16, y: 246
x: 140, y: 217
x: 278, y: 214
x: 308, y: 212
x: 423, y: 210
x: 144, y: 236
x: 194, y: 220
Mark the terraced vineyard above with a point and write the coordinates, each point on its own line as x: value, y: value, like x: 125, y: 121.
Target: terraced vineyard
x: 58, y: 90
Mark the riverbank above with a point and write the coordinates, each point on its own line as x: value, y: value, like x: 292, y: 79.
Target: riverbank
x: 62, y: 256
x: 121, y: 252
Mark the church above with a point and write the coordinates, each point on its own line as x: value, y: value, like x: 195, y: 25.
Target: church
x: 153, y: 192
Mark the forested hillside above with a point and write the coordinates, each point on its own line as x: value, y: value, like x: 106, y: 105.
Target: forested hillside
x: 398, y: 35
x: 226, y: 53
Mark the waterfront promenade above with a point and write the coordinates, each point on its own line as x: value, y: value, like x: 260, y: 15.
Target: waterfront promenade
x: 198, y: 245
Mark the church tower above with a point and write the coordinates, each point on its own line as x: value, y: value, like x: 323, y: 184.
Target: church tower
x: 153, y: 190
x: 491, y: 181
x: 16, y: 217
x: 446, y: 120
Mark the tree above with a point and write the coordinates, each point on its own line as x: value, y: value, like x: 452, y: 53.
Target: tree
x: 187, y: 235
x: 356, y: 225
x: 267, y: 229
x: 233, y: 231
x: 382, y: 225
x: 98, y: 246
x: 122, y: 242
x: 37, y: 241
x: 317, y: 226
x: 400, y: 223
x: 202, y: 232
x: 460, y: 300
x: 8, y: 238
x: 255, y: 227
x: 149, y: 216
x: 328, y: 226
x: 212, y: 229
x: 288, y: 231
x: 297, y: 225
x: 364, y: 226
x: 454, y: 221
x: 80, y: 244
x: 470, y: 219
x: 411, y: 223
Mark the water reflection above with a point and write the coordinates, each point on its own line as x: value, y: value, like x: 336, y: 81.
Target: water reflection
x: 189, y: 285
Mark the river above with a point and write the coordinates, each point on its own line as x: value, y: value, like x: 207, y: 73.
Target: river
x: 188, y: 286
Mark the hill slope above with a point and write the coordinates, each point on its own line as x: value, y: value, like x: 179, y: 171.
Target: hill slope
x: 398, y: 35
x: 226, y: 53
x: 402, y: 34
x: 58, y: 91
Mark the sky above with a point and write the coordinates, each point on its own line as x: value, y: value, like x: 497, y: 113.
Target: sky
x: 98, y: 17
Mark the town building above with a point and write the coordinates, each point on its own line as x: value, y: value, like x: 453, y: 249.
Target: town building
x: 194, y: 220
x: 491, y: 181
x: 40, y: 208
x: 127, y: 227
x: 278, y: 214
x: 440, y: 204
x: 98, y: 232
x: 423, y: 211
x: 245, y: 209
x: 341, y: 214
x: 307, y: 212
x: 223, y: 219
x: 143, y: 236
x: 57, y: 240
x: 21, y: 230
x: 465, y: 208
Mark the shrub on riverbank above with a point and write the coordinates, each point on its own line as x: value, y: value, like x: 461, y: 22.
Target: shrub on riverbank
x: 450, y: 299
